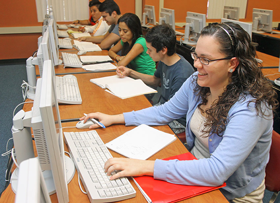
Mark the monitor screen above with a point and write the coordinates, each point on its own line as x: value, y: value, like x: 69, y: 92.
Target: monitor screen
x: 231, y: 12
x: 246, y: 26
x: 262, y: 20
x: 167, y: 16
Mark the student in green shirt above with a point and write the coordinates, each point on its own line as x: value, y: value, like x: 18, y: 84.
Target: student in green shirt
x: 132, y: 46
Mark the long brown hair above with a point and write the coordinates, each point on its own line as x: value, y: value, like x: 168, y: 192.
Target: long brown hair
x: 247, y: 79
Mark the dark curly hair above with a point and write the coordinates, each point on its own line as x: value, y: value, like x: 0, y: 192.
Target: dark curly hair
x: 247, y: 79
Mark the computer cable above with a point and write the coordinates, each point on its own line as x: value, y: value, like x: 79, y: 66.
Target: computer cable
x: 19, y: 105
x: 79, y: 181
x: 24, y: 88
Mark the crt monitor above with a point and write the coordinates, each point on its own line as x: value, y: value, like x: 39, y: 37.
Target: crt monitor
x: 58, y: 169
x: 246, y: 26
x: 231, y: 12
x: 167, y: 16
x: 149, y: 16
x: 195, y: 22
x: 262, y: 20
x: 31, y: 184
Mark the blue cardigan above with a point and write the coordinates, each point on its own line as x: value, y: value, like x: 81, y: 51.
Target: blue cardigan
x: 238, y: 158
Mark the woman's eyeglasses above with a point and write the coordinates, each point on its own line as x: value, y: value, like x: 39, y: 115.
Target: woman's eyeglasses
x: 206, y: 61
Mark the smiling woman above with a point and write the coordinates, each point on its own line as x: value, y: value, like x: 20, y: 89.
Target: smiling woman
x: 132, y: 46
x: 229, y: 108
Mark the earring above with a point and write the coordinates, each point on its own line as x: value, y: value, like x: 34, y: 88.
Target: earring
x: 231, y: 70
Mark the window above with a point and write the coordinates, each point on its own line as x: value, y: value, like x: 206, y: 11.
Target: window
x: 64, y: 10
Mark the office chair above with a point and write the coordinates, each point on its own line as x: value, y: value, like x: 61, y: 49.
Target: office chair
x: 272, y: 179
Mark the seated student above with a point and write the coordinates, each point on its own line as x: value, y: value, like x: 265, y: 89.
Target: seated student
x: 90, y: 21
x: 111, y: 13
x: 132, y: 46
x: 101, y: 27
x: 172, y: 70
x: 229, y: 107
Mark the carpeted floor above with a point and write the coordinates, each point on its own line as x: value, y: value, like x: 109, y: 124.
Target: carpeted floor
x: 12, y: 73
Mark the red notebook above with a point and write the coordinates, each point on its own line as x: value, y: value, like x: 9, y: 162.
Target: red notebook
x: 161, y: 191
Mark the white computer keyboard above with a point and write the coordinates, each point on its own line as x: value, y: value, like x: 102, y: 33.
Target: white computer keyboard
x: 61, y: 33
x: 62, y: 27
x: 65, y: 43
x: 89, y: 155
x: 67, y: 90
x: 71, y: 60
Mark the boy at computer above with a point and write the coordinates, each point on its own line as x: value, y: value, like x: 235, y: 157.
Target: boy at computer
x: 101, y: 27
x: 172, y: 69
x: 111, y: 13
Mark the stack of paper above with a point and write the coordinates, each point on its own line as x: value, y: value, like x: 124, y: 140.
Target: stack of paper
x: 141, y: 142
x: 86, y: 46
x: 100, y: 67
x: 80, y: 34
x: 123, y: 87
x: 95, y: 59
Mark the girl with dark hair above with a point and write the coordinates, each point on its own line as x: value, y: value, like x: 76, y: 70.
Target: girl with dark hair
x: 228, y: 105
x: 132, y: 46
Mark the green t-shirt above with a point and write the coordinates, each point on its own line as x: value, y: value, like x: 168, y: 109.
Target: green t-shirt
x: 143, y: 63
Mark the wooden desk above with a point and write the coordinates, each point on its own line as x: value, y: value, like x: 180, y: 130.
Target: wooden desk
x: 96, y: 99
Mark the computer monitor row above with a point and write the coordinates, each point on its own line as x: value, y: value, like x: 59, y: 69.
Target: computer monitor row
x: 262, y: 20
x: 58, y: 169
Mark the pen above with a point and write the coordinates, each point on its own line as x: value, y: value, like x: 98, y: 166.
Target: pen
x: 97, y: 122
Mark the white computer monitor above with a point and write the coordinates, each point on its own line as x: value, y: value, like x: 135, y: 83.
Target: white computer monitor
x: 31, y: 184
x: 40, y: 57
x: 262, y: 20
x: 167, y: 16
x: 246, y: 26
x: 46, y: 46
x: 58, y: 169
x: 149, y: 16
x: 195, y: 22
x: 231, y: 12
x: 54, y: 41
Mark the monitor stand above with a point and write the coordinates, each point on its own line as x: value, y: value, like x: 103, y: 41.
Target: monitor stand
x: 70, y: 172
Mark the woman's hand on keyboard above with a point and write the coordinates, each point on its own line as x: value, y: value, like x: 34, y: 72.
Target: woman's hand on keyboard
x: 105, y: 119
x: 128, y: 167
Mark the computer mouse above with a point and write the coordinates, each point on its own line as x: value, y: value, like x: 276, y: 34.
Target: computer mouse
x: 277, y: 81
x: 82, y: 125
